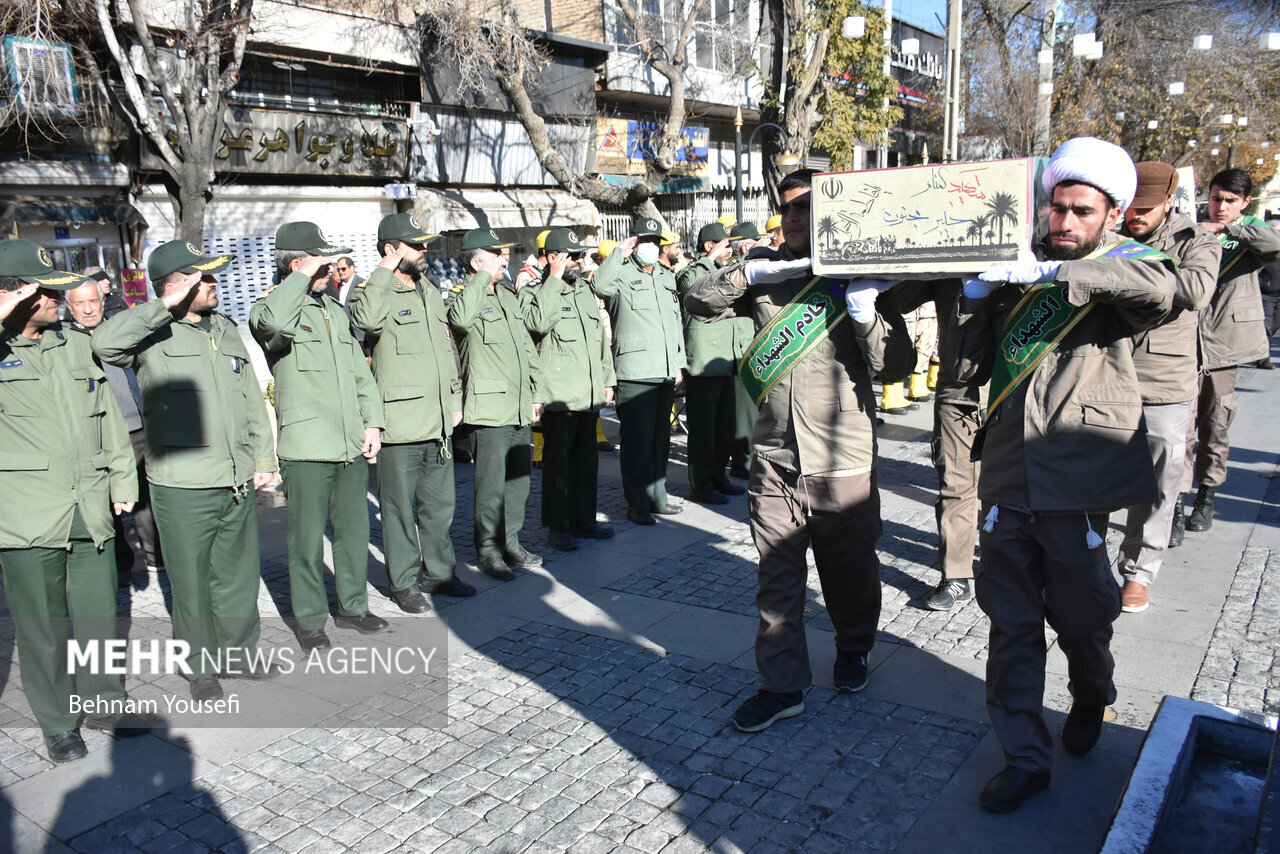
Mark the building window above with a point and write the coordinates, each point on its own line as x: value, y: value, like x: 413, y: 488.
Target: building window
x: 723, y: 38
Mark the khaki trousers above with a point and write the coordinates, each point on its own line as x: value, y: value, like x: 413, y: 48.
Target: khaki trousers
x: 1037, y: 567
x: 1146, y: 532
x: 956, y: 508
x: 1215, y: 410
x: 840, y: 518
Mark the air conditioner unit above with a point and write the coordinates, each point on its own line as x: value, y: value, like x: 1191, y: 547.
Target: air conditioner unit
x: 41, y: 76
x: 166, y: 69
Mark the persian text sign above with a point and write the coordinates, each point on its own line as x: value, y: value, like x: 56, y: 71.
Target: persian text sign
x: 926, y: 220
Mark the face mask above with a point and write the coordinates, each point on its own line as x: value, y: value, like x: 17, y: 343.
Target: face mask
x: 647, y: 254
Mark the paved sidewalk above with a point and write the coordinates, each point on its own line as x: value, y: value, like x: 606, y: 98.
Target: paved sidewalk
x: 588, y: 701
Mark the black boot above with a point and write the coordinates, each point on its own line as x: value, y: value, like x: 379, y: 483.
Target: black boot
x: 1202, y: 514
x: 1179, y: 522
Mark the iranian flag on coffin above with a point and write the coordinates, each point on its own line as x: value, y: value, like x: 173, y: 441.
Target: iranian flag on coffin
x: 927, y: 221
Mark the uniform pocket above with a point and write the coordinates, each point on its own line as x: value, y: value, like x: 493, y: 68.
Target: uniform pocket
x: 1112, y: 414
x: 12, y: 461
x: 401, y: 392
x: 488, y: 386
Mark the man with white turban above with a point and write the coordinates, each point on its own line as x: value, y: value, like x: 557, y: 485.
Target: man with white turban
x: 1063, y: 447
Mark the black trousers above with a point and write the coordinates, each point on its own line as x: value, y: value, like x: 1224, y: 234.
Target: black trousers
x: 644, y: 425
x: 570, y: 465
x: 709, y: 408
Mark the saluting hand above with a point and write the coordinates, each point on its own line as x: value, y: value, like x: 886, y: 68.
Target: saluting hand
x: 393, y: 258
x: 310, y: 264
x: 182, y: 292
x: 627, y: 246
x: 556, y: 263
x: 9, y: 300
x: 372, y: 444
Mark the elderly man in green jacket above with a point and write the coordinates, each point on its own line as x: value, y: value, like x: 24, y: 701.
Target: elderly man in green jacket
x: 415, y: 366
x: 500, y: 375
x: 330, y: 418
x: 648, y: 355
x: 208, y: 446
x: 66, y: 465
x: 577, y: 379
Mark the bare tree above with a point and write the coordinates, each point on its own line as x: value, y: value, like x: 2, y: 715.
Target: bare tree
x: 493, y: 44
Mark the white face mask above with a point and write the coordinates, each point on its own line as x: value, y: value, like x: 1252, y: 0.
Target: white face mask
x: 647, y: 254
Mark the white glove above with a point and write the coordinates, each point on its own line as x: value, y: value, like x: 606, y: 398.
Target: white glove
x: 770, y: 272
x: 860, y: 297
x: 978, y: 289
x: 1027, y: 273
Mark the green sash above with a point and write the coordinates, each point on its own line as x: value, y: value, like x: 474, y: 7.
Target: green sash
x: 1037, y: 325
x: 1234, y: 249
x: 802, y: 324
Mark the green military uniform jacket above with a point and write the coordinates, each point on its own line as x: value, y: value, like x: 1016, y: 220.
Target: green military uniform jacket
x: 572, y: 347
x: 414, y: 362
x: 204, y: 417
x: 647, y: 339
x: 325, y: 395
x: 713, y: 348
x: 65, y: 444
x: 500, y: 368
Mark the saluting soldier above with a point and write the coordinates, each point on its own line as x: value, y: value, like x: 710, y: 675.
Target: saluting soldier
x: 416, y: 369
x: 500, y: 376
x: 208, y: 446
x: 710, y: 379
x: 330, y: 419
x: 66, y: 465
x: 577, y: 379
x: 648, y: 355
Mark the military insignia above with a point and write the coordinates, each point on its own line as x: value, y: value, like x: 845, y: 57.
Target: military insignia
x: 12, y: 363
x: 44, y: 257
x: 457, y: 289
x: 209, y: 265
x: 413, y: 221
x: 488, y: 310
x: 405, y: 313
x: 193, y: 250
x: 320, y: 234
x: 305, y: 327
x: 650, y: 224
x: 566, y: 308
x: 494, y: 235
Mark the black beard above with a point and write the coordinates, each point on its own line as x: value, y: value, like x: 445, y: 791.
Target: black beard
x: 1074, y: 253
x: 408, y: 268
x: 571, y: 276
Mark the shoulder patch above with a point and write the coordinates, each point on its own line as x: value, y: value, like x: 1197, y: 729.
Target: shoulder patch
x: 457, y: 289
x: 267, y: 291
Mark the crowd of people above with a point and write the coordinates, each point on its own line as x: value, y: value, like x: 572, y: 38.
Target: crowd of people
x: 1098, y: 378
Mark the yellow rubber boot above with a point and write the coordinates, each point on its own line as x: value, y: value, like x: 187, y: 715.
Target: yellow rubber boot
x: 932, y: 382
x: 919, y: 386
x: 892, y: 397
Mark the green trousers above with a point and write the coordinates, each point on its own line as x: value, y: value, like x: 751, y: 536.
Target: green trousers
x: 745, y: 415
x: 503, y: 462
x: 316, y: 493
x: 644, y: 425
x: 44, y: 587
x: 709, y: 409
x: 210, y: 542
x: 416, y: 491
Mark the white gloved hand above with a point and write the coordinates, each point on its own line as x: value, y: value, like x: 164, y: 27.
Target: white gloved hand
x: 860, y: 296
x: 978, y: 289
x: 769, y: 272
x: 1026, y: 273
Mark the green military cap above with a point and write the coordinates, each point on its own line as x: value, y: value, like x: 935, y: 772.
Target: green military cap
x: 30, y: 262
x: 403, y: 226
x: 745, y: 231
x: 179, y: 256
x: 306, y: 237
x: 483, y: 238
x: 564, y: 240
x: 646, y: 227
x: 714, y: 232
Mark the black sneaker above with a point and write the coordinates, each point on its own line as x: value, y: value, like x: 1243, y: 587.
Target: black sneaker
x: 367, y: 623
x: 495, y: 567
x: 206, y: 688
x: 410, y: 600
x: 850, y: 675
x: 948, y: 593
x: 310, y: 639
x: 522, y: 558
x: 65, y: 747
x: 764, y: 708
x: 451, y: 586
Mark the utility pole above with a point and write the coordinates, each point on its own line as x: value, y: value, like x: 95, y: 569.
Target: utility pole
x: 951, y: 111
x: 888, y: 52
x: 1044, y: 97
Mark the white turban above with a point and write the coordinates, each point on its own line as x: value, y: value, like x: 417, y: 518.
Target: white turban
x: 1097, y: 163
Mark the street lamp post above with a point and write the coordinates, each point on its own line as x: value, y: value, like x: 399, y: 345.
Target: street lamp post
x: 737, y: 155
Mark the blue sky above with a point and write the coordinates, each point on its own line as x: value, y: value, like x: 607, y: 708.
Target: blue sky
x: 921, y: 12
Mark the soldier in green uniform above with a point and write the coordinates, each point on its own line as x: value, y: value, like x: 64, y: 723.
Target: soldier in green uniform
x: 648, y: 355
x: 208, y: 447
x: 66, y: 465
x: 577, y: 379
x: 416, y: 369
x: 500, y: 379
x: 710, y: 379
x: 330, y: 419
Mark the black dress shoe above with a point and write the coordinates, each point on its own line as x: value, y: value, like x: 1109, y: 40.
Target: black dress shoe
x: 65, y: 747
x: 561, y: 540
x: 205, y: 689
x: 310, y: 639
x: 522, y: 558
x: 740, y: 472
x: 666, y: 509
x: 451, y: 586
x: 257, y: 671
x: 495, y: 567
x: 1006, y: 791
x: 597, y: 531
x: 640, y: 517
x: 704, y: 496
x: 410, y: 600
x: 124, y: 724
x: 1084, y: 725
x: 728, y: 487
x: 367, y: 623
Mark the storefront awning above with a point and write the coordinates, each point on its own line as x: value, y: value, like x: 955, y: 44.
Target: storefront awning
x: 450, y: 210
x: 57, y: 210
